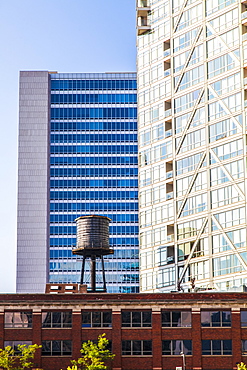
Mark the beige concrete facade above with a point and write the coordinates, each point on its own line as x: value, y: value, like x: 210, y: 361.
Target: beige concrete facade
x: 192, y: 139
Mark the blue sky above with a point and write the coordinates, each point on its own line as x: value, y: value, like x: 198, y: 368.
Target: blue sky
x: 54, y: 35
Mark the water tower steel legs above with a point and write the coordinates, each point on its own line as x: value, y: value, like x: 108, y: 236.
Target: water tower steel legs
x: 103, y: 272
x: 82, y: 269
x: 93, y: 274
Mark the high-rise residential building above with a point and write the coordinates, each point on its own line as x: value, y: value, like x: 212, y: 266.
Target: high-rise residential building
x: 77, y: 156
x: 192, y: 69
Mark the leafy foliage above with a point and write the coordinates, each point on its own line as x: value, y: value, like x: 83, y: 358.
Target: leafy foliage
x: 10, y: 360
x: 7, y: 359
x: 241, y: 366
x: 94, y: 355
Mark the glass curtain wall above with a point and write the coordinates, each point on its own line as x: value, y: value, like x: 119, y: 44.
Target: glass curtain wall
x: 93, y: 170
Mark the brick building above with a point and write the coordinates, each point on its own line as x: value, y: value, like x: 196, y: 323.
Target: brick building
x: 146, y: 331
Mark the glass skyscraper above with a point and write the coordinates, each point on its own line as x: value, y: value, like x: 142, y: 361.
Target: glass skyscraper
x: 192, y: 69
x: 77, y: 156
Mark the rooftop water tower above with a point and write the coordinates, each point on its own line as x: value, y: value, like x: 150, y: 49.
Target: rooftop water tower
x: 92, y: 233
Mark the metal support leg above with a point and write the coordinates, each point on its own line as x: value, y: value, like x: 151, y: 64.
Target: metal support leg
x: 93, y: 274
x: 82, y: 270
x: 103, y: 273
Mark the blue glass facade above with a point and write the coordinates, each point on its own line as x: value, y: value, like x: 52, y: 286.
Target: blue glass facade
x: 93, y: 170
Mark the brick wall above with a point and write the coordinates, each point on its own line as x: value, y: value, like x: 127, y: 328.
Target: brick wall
x: 116, y: 303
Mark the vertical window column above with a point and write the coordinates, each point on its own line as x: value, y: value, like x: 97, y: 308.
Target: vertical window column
x: 76, y: 332
x: 1, y: 329
x: 236, y: 334
x: 196, y: 337
x: 116, y: 339
x: 37, y: 335
x: 156, y: 339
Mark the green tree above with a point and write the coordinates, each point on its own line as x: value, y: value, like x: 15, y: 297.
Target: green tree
x: 241, y: 366
x: 10, y: 360
x: 94, y: 355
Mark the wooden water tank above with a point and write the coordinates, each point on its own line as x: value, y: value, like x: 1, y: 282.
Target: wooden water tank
x: 92, y: 233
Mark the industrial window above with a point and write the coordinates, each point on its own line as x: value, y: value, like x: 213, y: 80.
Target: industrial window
x: 137, y: 347
x: 56, y: 348
x: 97, y: 319
x: 22, y: 319
x: 244, y: 347
x: 216, y: 318
x: 57, y: 319
x: 216, y: 347
x: 175, y: 347
x: 14, y: 344
x: 243, y: 318
x: 176, y: 318
x: 136, y: 318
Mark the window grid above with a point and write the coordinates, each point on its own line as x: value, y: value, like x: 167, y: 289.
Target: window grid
x: 176, y: 318
x: 56, y: 348
x: 175, y: 347
x: 97, y: 319
x: 57, y: 319
x: 22, y: 319
x: 216, y: 318
x: 216, y: 347
x: 136, y: 347
x: 136, y: 318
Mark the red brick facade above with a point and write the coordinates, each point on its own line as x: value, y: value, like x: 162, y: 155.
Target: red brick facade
x: 116, y: 303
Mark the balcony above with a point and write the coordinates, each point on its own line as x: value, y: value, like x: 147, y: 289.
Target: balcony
x: 169, y: 175
x: 167, y: 113
x: 169, y: 195
x: 143, y: 3
x: 244, y: 37
x: 143, y: 10
x: 167, y: 53
x: 170, y: 238
x: 244, y: 17
x: 143, y: 25
x: 168, y: 133
x: 170, y: 259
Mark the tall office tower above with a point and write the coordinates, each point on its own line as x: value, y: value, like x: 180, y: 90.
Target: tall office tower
x: 77, y: 156
x: 192, y: 143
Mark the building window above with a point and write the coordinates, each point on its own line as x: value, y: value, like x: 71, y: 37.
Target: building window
x: 175, y: 347
x: 216, y: 318
x: 97, y: 319
x: 56, y: 348
x: 137, y: 347
x: 14, y: 344
x: 176, y: 318
x: 243, y: 318
x: 136, y: 318
x: 244, y: 347
x: 22, y: 319
x: 57, y: 319
x: 216, y: 347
